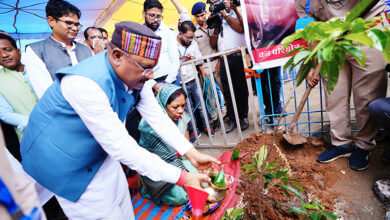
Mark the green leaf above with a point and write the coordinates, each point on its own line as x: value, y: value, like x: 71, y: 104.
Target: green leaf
x: 299, y: 211
x: 358, y: 25
x: 331, y: 71
x: 280, y: 173
x: 361, y: 38
x: 298, y: 186
x: 316, y: 216
x: 269, y: 177
x: 219, y: 181
x: 253, y: 176
x: 289, y: 39
x: 229, y: 211
x: 330, y: 215
x: 286, y: 192
x: 379, y: 38
x: 386, y: 51
x: 249, y: 168
x: 235, y: 155
x: 319, y: 46
x: 303, y: 71
x: 327, y: 52
x: 289, y: 188
x: 358, y: 10
x: 238, y: 213
x: 293, y: 51
x: 358, y: 53
x: 321, y: 207
x: 260, y: 156
x: 288, y: 63
x: 300, y: 56
x: 309, y: 206
x: 339, y: 56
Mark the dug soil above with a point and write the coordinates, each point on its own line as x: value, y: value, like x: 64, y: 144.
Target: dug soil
x: 341, y: 190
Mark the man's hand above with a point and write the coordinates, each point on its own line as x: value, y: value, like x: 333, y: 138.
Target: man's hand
x: 218, y: 68
x: 310, y: 79
x: 197, y: 158
x: 157, y: 86
x: 97, y: 47
x: 195, y: 180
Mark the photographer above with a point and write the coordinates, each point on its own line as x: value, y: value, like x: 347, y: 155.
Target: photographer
x: 227, y: 35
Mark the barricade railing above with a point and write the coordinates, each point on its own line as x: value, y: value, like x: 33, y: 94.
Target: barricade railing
x: 254, y: 110
x: 312, y: 120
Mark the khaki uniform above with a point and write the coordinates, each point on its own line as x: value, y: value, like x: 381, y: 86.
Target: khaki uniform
x: 22, y: 190
x: 364, y: 83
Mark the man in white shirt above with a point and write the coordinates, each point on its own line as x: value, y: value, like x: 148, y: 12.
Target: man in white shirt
x: 188, y: 49
x: 76, y: 132
x: 44, y: 58
x: 168, y: 64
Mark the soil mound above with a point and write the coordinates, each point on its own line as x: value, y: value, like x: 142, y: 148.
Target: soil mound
x: 317, y: 180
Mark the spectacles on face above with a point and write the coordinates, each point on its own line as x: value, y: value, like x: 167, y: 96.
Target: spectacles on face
x: 188, y: 38
x: 146, y: 72
x: 71, y: 24
x: 154, y: 16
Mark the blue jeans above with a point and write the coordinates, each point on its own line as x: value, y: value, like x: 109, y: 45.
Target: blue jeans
x: 193, y: 96
x: 380, y: 111
x: 220, y: 96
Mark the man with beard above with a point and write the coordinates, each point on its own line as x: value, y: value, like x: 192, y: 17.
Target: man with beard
x: 45, y: 57
x: 168, y: 64
x: 202, y: 38
x: 188, y: 50
x: 76, y: 139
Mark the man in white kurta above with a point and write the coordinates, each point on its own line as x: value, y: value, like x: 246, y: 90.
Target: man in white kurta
x: 106, y: 195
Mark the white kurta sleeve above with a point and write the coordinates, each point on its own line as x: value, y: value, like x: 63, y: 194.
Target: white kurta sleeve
x: 160, y: 122
x: 173, y: 57
x: 92, y: 105
x: 36, y: 72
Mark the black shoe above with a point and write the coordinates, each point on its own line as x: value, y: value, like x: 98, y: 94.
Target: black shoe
x: 216, y: 125
x: 244, y: 123
x: 231, y: 126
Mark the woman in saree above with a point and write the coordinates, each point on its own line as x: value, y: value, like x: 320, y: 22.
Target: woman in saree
x: 172, y: 100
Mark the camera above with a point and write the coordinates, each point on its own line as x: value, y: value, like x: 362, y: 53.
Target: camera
x: 215, y: 19
x: 217, y: 7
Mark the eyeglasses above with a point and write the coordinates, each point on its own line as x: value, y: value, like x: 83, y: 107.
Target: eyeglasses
x: 70, y: 24
x: 333, y: 1
x: 189, y: 38
x: 146, y: 72
x: 154, y: 16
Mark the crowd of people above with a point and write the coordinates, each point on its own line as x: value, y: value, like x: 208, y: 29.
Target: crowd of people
x: 82, y: 110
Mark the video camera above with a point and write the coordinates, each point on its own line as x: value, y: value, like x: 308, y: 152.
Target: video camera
x: 215, y: 19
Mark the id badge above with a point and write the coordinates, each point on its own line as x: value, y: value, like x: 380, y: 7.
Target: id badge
x: 303, y: 22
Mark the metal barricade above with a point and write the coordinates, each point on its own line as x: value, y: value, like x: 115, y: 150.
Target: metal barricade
x: 312, y: 120
x: 202, y: 102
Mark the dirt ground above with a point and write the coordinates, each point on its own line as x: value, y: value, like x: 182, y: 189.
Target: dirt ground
x: 340, y: 189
